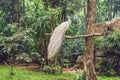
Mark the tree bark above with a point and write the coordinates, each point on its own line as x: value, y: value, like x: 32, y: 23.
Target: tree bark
x: 90, y: 73
x: 109, y: 10
x: 15, y: 11
x: 45, y: 51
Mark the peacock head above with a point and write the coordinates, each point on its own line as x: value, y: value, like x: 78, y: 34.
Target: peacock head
x: 69, y: 19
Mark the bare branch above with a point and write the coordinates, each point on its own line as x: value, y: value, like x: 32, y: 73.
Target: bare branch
x: 48, y: 34
x: 80, y: 36
x: 84, y: 36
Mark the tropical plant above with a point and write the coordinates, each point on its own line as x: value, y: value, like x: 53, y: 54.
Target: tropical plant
x: 13, y: 42
x: 52, y: 70
x: 110, y: 46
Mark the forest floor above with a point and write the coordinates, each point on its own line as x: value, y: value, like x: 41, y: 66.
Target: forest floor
x: 26, y: 73
x: 68, y: 71
x: 32, y: 68
x: 36, y: 66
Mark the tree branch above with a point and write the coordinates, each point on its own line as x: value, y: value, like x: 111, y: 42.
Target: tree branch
x: 80, y: 36
x: 84, y: 36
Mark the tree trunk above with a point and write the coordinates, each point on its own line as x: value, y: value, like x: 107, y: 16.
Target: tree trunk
x: 90, y: 73
x: 16, y: 11
x: 63, y: 18
x: 45, y: 51
x: 109, y: 10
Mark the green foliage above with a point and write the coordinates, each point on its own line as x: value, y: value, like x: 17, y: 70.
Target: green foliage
x: 23, y: 58
x: 109, y: 78
x: 101, y: 11
x: 15, y: 43
x: 26, y: 38
x: 5, y: 10
x: 52, y: 70
x: 116, y: 5
x: 106, y: 69
x: 66, y: 62
x: 20, y: 40
x: 47, y: 69
x: 110, y: 46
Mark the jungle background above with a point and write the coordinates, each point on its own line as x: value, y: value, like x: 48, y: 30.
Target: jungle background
x: 23, y: 39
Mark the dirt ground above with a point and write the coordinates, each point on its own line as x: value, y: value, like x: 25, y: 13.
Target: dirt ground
x: 35, y: 66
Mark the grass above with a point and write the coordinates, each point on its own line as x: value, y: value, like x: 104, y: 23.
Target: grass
x: 109, y: 78
x: 24, y: 74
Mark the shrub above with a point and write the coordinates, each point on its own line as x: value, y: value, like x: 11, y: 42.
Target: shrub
x: 52, y: 70
x: 110, y: 46
x: 14, y: 43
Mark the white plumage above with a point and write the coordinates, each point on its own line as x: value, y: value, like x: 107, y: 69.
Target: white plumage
x: 57, y: 38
